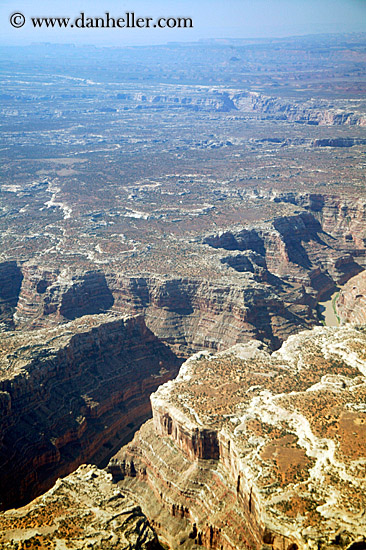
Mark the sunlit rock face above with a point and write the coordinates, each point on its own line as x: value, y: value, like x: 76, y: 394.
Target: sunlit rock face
x: 249, y: 449
x: 258, y: 280
x: 83, y: 510
x: 187, y: 313
x: 351, y: 302
x: 313, y: 112
x: 73, y: 394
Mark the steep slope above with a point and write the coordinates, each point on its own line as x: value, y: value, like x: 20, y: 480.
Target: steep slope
x: 313, y: 112
x: 252, y: 450
x: 188, y: 313
x: 263, y: 280
x: 72, y: 394
x: 351, y: 302
x: 83, y: 510
x: 10, y: 284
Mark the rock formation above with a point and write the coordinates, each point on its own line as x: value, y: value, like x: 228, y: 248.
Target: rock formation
x: 61, y: 294
x: 187, y: 313
x: 157, y: 202
x: 72, y: 394
x: 251, y: 450
x: 83, y: 510
x: 351, y: 302
x: 294, y: 249
x: 279, y: 269
x: 343, y: 218
x: 10, y: 283
x: 313, y: 112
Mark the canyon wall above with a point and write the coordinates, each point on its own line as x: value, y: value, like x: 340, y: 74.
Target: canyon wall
x: 351, y: 302
x: 266, y: 280
x: 313, y: 112
x: 248, y: 450
x: 187, y: 313
x: 343, y: 218
x: 83, y: 510
x: 71, y: 395
x: 10, y: 284
x: 297, y: 248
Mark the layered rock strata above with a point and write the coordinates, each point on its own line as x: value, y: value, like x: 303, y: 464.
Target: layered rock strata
x: 278, y: 268
x: 342, y: 218
x: 60, y: 295
x: 187, y: 313
x: 10, y: 284
x: 293, y: 249
x: 83, y: 510
x: 72, y: 394
x: 351, y: 302
x: 252, y: 450
x: 313, y: 112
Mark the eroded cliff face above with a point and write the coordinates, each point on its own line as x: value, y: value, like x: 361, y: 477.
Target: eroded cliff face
x: 83, y: 510
x: 10, y: 284
x: 186, y: 313
x: 252, y: 450
x: 264, y: 281
x: 296, y: 249
x: 59, y: 295
x: 314, y: 112
x: 343, y: 218
x: 71, y: 394
x: 351, y: 302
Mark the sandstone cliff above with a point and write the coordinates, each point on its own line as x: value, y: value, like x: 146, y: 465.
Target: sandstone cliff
x: 187, y: 313
x: 300, y: 248
x: 351, y: 302
x: 83, y: 510
x: 220, y: 99
x: 343, y: 218
x: 251, y: 450
x: 314, y: 112
x: 10, y: 283
x: 72, y: 394
x: 264, y: 281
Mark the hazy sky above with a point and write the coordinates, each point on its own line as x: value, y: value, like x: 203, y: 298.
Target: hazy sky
x: 212, y: 19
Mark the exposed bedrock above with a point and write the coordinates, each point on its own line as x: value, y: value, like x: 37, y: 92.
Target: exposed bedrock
x: 84, y: 510
x: 252, y: 450
x: 342, y: 218
x: 266, y: 281
x: 10, y: 283
x: 60, y: 293
x: 314, y: 112
x: 72, y: 394
x: 295, y: 249
x: 194, y: 314
x: 213, y: 100
x: 351, y: 302
x: 338, y: 142
x: 187, y: 313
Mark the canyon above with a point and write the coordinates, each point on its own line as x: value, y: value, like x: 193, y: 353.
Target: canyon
x: 83, y: 510
x: 71, y: 395
x: 248, y: 449
x: 171, y: 218
x: 280, y: 267
x: 350, y: 304
x: 224, y: 437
